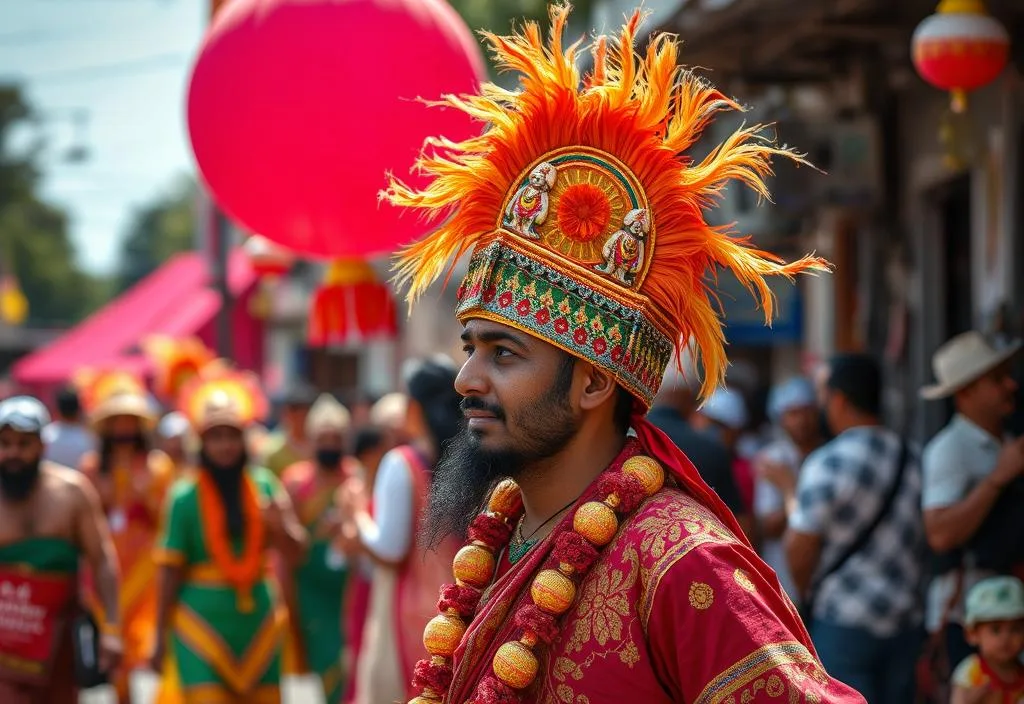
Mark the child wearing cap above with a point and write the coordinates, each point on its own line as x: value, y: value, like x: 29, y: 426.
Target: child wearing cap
x: 995, y: 626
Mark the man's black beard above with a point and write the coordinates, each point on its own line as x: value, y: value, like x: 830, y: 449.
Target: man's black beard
x: 228, y: 480
x: 108, y: 443
x: 466, y: 473
x: 18, y: 479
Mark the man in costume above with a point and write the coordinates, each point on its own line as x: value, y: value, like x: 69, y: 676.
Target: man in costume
x: 50, y: 518
x: 288, y: 444
x: 318, y: 583
x: 132, y: 480
x: 220, y: 621
x: 607, y: 571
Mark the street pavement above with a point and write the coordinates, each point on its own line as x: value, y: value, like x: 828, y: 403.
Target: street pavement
x: 297, y: 690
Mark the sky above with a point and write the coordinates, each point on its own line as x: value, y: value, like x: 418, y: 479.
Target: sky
x: 123, y: 64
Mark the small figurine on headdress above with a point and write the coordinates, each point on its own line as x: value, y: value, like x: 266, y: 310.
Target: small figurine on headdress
x: 529, y: 206
x: 624, y: 251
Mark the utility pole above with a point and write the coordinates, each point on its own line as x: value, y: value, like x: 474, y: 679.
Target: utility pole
x: 218, y: 250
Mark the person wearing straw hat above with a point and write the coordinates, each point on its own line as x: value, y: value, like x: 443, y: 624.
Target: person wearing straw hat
x: 967, y: 468
x: 50, y: 520
x: 132, y: 480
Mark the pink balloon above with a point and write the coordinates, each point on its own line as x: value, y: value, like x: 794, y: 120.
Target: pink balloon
x: 298, y: 108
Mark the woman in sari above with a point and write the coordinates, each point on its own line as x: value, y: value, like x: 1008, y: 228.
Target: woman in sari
x: 405, y: 580
x: 317, y: 586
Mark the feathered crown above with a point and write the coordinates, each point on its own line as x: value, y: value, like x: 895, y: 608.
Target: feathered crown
x: 584, y: 215
x: 106, y: 393
x: 222, y: 395
x: 95, y: 386
x: 175, y: 362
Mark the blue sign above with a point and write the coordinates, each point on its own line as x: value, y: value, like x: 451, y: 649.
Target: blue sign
x: 744, y: 319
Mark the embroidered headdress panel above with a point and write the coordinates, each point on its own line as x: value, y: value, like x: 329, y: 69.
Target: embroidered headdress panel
x: 582, y: 210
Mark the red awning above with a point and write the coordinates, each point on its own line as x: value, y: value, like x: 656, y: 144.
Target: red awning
x: 176, y: 299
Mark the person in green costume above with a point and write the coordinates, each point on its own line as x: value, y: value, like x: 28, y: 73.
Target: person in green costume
x: 320, y: 581
x: 50, y: 518
x: 220, y: 618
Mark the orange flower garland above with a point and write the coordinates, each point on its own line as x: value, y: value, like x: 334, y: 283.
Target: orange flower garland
x: 245, y: 570
x: 553, y: 591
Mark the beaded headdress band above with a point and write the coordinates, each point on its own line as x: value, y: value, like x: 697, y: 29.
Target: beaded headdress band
x: 584, y: 216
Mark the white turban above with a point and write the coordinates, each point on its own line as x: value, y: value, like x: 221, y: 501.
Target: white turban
x: 327, y: 415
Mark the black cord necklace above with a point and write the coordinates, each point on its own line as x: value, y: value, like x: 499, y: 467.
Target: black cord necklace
x: 519, y: 546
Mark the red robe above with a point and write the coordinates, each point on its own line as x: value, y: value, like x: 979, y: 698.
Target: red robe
x: 676, y: 609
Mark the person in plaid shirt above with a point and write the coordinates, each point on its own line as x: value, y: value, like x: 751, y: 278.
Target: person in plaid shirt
x: 866, y: 615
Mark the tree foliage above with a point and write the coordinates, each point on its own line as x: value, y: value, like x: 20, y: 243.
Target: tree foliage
x: 158, y: 230
x: 499, y: 16
x: 34, y: 241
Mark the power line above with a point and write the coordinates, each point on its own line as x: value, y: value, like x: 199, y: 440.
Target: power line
x: 157, y: 62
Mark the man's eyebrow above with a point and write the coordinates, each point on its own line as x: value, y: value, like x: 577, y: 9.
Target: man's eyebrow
x: 492, y: 336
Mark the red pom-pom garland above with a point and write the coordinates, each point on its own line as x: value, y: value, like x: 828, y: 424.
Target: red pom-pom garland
x: 494, y: 691
x: 573, y: 549
x: 462, y: 598
x: 490, y: 530
x: 515, y: 664
x: 436, y: 676
x: 536, y: 622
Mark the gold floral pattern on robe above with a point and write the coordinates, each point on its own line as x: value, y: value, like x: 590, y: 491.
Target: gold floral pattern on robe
x: 613, y: 645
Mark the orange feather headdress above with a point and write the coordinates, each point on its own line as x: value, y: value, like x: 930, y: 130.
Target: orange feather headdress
x: 222, y: 395
x: 582, y: 210
x: 175, y: 362
x: 106, y: 393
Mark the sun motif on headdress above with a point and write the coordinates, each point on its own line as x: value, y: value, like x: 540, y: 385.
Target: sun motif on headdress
x: 220, y: 391
x: 584, y: 184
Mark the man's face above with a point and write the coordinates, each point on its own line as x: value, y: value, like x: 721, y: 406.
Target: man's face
x: 224, y: 446
x: 123, y: 429
x: 517, y: 399
x: 329, y: 440
x: 835, y: 406
x: 20, y: 455
x: 801, y: 423
x: 515, y: 392
x: 173, y: 446
x: 996, y: 392
x: 294, y: 418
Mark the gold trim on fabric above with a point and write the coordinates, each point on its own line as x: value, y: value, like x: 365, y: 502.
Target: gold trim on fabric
x: 754, y: 665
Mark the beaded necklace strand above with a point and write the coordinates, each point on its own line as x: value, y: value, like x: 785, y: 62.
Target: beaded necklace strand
x: 515, y: 664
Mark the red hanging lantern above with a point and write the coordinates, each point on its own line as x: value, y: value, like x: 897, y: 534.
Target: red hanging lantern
x: 351, y: 307
x: 960, y: 48
x: 268, y: 260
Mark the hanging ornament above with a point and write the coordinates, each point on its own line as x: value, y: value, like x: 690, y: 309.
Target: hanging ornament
x: 13, y: 304
x: 351, y: 307
x: 268, y: 260
x: 960, y: 48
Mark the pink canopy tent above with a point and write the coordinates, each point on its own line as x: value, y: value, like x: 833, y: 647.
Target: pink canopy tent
x: 177, y: 300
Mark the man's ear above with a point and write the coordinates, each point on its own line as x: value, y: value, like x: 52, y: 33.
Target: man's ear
x: 598, y: 386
